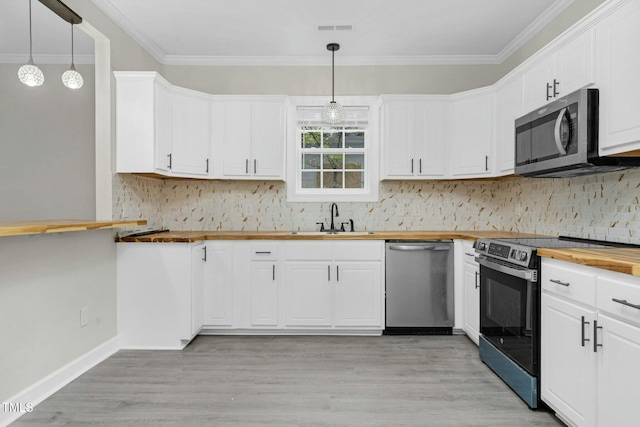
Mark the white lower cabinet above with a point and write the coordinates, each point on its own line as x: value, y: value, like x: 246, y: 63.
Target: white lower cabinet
x: 357, y: 294
x: 467, y: 290
x: 218, y: 285
x: 590, y: 344
x: 568, y: 363
x: 308, y: 294
x: 299, y: 286
x: 471, y: 296
x: 159, y: 294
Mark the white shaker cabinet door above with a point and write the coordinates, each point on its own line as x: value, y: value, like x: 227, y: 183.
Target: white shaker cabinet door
x: 357, y: 294
x: 618, y: 372
x: 191, y: 134
x: 618, y: 68
x: 308, y: 294
x: 264, y: 293
x: 267, y: 139
x: 568, y: 376
x: 218, y: 285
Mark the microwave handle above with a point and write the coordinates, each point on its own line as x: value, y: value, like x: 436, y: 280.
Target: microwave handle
x: 556, y: 133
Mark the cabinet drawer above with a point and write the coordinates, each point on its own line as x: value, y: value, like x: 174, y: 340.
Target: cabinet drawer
x: 620, y: 296
x: 308, y: 251
x: 265, y: 251
x: 358, y: 251
x: 572, y: 282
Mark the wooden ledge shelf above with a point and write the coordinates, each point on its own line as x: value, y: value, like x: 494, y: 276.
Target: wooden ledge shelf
x: 17, y: 228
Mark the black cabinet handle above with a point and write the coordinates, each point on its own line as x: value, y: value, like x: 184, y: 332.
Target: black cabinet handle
x: 204, y: 253
x: 558, y: 282
x: 246, y: 166
x: 420, y: 166
x: 486, y: 163
x: 207, y: 166
x: 170, y: 158
x: 555, y: 88
x: 274, y: 272
x: 255, y: 166
x: 477, y: 285
x: 329, y: 272
x: 337, y: 273
x: 584, y: 340
x: 263, y: 252
x: 411, y: 165
x: 625, y: 302
x: 595, y: 336
x: 548, y: 88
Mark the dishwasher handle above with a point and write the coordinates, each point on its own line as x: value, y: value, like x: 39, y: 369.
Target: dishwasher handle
x: 418, y: 248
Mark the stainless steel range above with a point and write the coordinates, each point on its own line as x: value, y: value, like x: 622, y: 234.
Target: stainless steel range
x: 510, y: 308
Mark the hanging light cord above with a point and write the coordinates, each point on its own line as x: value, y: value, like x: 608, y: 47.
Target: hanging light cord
x: 73, y: 67
x: 30, y: 36
x: 333, y: 75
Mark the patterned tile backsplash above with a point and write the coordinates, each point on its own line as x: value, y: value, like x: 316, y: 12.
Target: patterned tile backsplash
x: 603, y: 206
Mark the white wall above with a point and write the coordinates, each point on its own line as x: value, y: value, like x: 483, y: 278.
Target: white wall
x: 46, y: 280
x: 47, y: 145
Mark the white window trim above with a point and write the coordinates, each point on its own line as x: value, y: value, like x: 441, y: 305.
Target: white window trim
x: 368, y: 194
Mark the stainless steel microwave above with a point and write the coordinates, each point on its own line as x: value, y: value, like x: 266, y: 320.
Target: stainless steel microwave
x: 561, y: 139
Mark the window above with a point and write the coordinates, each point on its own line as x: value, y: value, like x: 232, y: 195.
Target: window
x: 332, y: 157
x: 333, y: 162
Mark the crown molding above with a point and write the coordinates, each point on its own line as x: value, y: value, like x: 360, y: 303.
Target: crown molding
x: 534, y: 28
x: 279, y: 61
x: 121, y: 21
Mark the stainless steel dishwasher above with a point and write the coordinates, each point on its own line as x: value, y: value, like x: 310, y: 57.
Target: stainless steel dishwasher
x: 419, y: 287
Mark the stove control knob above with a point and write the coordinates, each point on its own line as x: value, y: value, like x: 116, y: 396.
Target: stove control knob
x: 482, y: 246
x: 522, y: 256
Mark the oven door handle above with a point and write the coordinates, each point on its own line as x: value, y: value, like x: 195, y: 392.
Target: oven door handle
x: 560, y: 137
x: 526, y: 274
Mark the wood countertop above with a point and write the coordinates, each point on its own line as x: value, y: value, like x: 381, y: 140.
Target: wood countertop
x: 622, y: 260
x: 17, y: 228
x: 194, y: 236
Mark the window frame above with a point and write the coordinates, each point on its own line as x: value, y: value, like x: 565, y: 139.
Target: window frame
x: 295, y: 192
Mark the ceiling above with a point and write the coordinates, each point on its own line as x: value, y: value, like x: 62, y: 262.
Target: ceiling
x: 286, y: 32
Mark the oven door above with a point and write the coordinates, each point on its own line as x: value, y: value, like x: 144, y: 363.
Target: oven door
x: 509, y: 304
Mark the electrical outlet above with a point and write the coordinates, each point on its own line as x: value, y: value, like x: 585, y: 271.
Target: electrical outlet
x: 84, y: 317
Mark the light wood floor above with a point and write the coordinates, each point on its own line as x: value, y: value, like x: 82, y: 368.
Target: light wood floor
x: 293, y: 381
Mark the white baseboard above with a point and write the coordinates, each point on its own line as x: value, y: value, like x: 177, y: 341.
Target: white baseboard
x: 336, y: 332
x: 35, y: 394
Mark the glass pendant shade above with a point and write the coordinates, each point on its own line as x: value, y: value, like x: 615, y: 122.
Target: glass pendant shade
x: 72, y: 78
x: 332, y: 113
x: 30, y: 74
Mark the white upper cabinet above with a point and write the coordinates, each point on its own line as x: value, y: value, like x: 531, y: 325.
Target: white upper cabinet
x: 414, y: 137
x: 143, y: 122
x: 509, y: 106
x: 249, y: 137
x: 569, y: 66
x: 160, y: 128
x: 191, y: 133
x: 472, y: 133
x: 618, y: 71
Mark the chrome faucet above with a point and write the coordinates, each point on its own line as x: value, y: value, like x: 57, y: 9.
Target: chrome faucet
x: 333, y: 226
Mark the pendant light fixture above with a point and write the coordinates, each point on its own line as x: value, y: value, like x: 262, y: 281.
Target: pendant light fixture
x: 72, y: 78
x: 29, y: 73
x: 332, y: 112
